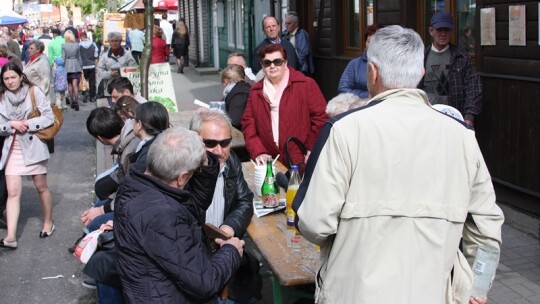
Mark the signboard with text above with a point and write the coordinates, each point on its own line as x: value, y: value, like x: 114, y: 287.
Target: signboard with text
x: 113, y: 22
x: 160, y: 85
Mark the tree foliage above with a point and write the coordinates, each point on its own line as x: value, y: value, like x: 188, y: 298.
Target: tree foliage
x: 87, y: 6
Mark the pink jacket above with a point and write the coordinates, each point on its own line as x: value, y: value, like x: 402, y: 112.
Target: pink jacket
x: 301, y: 114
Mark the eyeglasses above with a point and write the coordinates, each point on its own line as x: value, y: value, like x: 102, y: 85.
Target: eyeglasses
x: 277, y: 62
x: 212, y: 143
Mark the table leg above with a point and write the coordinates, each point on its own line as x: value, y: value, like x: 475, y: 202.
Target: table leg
x: 277, y: 291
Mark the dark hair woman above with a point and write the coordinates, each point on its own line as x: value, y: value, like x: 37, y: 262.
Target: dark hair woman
x: 23, y: 153
x: 284, y: 104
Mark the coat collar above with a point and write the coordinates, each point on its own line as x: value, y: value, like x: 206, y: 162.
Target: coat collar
x: 179, y: 195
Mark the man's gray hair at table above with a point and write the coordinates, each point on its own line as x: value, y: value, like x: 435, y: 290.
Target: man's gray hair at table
x: 175, y: 151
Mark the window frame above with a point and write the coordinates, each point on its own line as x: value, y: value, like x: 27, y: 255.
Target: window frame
x: 231, y: 30
x: 348, y: 50
x: 239, y: 23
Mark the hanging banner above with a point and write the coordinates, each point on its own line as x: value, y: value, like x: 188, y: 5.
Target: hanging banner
x: 516, y: 23
x: 160, y: 84
x: 113, y: 22
x: 487, y: 26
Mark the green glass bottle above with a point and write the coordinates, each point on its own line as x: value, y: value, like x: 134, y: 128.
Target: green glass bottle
x: 269, y: 189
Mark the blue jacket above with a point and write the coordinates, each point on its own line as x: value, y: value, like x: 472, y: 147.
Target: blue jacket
x: 303, y: 50
x: 161, y: 247
x: 354, y: 78
x: 292, y: 59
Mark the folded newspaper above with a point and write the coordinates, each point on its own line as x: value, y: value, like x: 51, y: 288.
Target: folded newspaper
x: 262, y: 211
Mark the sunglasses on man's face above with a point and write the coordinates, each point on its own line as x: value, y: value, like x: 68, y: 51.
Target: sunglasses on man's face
x: 277, y: 62
x: 212, y: 143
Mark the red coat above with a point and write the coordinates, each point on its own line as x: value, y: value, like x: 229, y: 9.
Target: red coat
x: 301, y: 114
x: 160, y: 50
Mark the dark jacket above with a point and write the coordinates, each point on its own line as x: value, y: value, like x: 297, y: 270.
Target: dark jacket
x: 465, y: 87
x: 235, y: 103
x: 238, y: 197
x: 162, y: 256
x: 303, y: 50
x: 292, y: 59
x: 138, y: 159
x: 354, y: 77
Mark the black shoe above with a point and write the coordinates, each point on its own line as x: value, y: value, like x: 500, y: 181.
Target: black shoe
x: 89, y: 283
x: 68, y: 101
x: 8, y: 245
x: 76, y: 107
x: 44, y: 234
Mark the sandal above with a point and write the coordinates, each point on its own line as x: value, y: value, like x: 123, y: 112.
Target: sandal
x: 8, y: 245
x: 44, y: 234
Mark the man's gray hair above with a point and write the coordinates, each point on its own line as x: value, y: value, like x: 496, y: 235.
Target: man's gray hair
x: 293, y: 17
x: 112, y: 35
x: 40, y: 46
x: 340, y: 104
x: 173, y: 152
x: 398, y: 54
x: 209, y: 116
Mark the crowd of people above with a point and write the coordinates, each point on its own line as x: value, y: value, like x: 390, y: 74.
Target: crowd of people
x: 382, y: 169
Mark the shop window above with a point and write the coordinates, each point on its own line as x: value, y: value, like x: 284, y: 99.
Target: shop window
x: 230, y: 23
x: 235, y: 24
x: 465, y: 27
x: 361, y: 14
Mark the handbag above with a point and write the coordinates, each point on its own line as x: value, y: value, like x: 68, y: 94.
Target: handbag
x: 302, y: 148
x: 83, y: 84
x: 49, y: 132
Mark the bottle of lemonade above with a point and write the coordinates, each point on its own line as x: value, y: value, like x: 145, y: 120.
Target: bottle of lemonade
x: 269, y: 189
x: 292, y: 235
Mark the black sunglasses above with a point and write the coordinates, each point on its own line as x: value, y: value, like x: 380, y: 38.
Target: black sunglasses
x: 277, y: 62
x: 211, y: 143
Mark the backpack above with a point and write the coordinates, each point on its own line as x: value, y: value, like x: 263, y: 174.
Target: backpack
x: 60, y: 80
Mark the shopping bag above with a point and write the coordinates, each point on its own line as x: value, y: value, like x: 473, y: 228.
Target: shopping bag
x: 87, y: 246
x: 83, y: 84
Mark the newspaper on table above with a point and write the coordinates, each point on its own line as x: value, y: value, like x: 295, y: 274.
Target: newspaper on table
x: 260, y: 210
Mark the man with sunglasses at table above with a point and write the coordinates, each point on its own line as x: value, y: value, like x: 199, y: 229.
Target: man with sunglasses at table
x: 231, y: 209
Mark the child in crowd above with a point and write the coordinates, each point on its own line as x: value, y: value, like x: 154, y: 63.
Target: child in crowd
x: 60, y: 83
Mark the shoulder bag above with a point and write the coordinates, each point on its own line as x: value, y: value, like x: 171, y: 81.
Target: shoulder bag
x: 49, y: 132
x: 302, y: 148
x: 83, y: 84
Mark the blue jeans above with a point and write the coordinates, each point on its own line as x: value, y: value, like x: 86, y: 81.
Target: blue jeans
x: 101, y: 219
x: 108, y: 294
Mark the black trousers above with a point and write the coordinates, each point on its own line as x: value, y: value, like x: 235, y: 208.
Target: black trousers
x: 90, y: 75
x: 136, y: 55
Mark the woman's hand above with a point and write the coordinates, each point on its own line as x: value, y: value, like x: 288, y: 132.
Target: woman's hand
x: 20, y: 126
x: 108, y: 226
x: 262, y: 158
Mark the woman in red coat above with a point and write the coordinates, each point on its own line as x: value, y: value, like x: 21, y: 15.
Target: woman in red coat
x: 160, y: 51
x: 283, y: 104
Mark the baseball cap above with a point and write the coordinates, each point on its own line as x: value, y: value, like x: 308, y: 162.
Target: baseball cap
x: 442, y: 20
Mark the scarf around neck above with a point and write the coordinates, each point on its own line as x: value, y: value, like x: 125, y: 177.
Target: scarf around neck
x: 273, y: 95
x: 15, y: 105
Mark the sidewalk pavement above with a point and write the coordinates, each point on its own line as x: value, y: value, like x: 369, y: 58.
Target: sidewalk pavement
x: 518, y: 274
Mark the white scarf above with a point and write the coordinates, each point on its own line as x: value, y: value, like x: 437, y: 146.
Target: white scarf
x: 15, y: 105
x: 273, y: 96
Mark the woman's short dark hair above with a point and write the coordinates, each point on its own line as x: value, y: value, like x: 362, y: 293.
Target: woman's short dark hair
x: 10, y: 66
x: 126, y: 106
x: 271, y: 48
x: 104, y: 122
x: 370, y: 30
x: 153, y: 116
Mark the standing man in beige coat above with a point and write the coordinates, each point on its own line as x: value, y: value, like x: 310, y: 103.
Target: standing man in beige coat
x: 391, y: 189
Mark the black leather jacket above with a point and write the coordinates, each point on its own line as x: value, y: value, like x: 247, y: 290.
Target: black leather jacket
x: 238, y: 197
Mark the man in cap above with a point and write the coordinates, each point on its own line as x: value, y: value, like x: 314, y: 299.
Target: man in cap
x: 450, y: 78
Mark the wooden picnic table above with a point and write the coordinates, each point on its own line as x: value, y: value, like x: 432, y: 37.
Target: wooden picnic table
x: 182, y: 118
x: 289, y: 268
